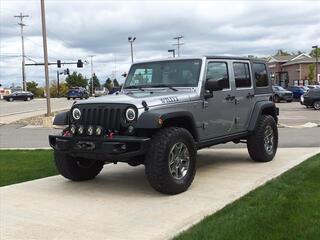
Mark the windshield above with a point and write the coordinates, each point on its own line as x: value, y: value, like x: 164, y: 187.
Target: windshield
x: 278, y: 88
x: 178, y: 73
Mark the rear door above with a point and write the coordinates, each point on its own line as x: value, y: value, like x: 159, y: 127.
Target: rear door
x: 244, y: 94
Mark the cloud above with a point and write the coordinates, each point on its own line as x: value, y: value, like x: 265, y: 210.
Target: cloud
x: 79, y: 28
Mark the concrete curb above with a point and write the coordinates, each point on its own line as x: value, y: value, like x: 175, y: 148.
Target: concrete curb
x: 306, y: 125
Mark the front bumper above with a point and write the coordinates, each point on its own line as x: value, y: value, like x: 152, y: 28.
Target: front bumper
x: 118, y: 148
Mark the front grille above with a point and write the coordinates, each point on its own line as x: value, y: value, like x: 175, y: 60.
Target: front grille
x: 108, y: 116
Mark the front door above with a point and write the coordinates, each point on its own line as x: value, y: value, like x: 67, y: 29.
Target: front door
x: 244, y: 94
x: 218, y: 110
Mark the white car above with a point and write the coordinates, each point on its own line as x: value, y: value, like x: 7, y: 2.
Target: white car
x: 102, y: 91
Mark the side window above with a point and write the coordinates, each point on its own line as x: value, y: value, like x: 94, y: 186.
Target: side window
x: 218, y: 71
x: 260, y: 74
x: 241, y: 75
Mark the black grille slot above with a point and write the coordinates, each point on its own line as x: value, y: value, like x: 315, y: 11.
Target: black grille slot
x: 108, y: 116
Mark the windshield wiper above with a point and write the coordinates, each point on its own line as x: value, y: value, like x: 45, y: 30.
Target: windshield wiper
x: 135, y: 87
x: 165, y: 85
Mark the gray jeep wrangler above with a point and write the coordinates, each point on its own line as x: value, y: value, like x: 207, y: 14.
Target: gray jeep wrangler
x: 166, y: 111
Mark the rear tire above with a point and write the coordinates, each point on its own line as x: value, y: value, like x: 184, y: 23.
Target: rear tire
x: 77, y: 169
x: 289, y: 101
x: 276, y: 98
x: 68, y: 98
x: 263, y: 143
x: 11, y: 99
x: 170, y: 163
x: 316, y: 105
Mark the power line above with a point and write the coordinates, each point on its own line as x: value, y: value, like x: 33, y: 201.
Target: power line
x: 22, y: 25
x: 178, y: 44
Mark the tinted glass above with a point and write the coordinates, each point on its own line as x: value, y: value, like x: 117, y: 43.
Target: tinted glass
x: 218, y: 71
x: 242, y: 75
x: 260, y: 74
x: 179, y: 73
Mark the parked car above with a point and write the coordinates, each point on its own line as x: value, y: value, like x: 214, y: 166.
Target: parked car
x: 279, y: 93
x: 311, y: 98
x: 114, y: 90
x: 162, y: 123
x: 77, y: 92
x: 20, y: 95
x: 297, y: 91
x: 313, y: 86
x: 102, y: 91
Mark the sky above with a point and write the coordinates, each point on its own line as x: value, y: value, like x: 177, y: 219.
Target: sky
x: 77, y: 29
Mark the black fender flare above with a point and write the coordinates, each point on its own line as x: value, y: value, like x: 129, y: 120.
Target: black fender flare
x: 150, y: 119
x: 61, y: 119
x: 258, y: 109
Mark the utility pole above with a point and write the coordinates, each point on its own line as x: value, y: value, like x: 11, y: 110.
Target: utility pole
x: 91, y: 56
x: 45, y: 56
x: 316, y: 49
x: 21, y: 16
x: 178, y: 44
x: 131, y: 40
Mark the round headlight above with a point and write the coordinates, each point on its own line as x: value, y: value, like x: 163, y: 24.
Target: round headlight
x: 98, y: 131
x: 80, y: 130
x: 90, y: 130
x: 130, y: 114
x: 76, y: 113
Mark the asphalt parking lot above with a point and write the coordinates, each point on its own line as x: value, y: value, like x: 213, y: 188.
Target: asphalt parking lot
x: 14, y: 111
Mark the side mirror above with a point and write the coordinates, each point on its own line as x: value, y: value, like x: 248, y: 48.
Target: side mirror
x: 214, y: 85
x: 124, y: 74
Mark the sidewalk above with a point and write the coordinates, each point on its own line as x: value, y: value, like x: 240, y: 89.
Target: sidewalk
x: 119, y: 203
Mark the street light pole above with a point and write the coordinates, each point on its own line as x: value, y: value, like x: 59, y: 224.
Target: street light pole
x: 24, y: 84
x: 45, y: 56
x: 173, y: 52
x: 131, y: 40
x: 178, y: 44
x: 316, y: 49
x: 91, y: 56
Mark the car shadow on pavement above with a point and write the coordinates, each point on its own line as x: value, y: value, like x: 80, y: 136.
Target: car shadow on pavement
x: 123, y: 180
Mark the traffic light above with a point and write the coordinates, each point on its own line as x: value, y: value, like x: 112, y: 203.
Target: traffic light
x: 79, y: 63
x: 66, y: 71
x: 59, y: 63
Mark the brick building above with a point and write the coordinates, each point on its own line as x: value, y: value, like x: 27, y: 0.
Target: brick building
x: 291, y: 70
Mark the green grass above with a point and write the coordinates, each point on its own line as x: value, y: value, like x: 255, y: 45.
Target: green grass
x: 24, y: 165
x: 287, y: 207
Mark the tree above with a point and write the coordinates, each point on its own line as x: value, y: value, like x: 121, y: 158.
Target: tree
x: 33, y: 87
x: 108, y: 84
x: 63, y: 89
x: 311, y: 74
x: 96, y: 83
x: 115, y: 83
x: 76, y: 80
x: 281, y: 52
x: 313, y: 53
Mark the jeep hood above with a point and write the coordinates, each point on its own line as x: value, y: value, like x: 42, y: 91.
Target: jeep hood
x: 151, y: 98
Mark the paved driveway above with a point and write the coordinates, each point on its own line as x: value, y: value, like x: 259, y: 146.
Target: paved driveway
x: 119, y: 204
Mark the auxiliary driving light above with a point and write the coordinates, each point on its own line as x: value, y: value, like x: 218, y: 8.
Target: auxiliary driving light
x: 80, y: 130
x: 130, y: 129
x: 73, y: 129
x: 98, y: 131
x: 90, y: 130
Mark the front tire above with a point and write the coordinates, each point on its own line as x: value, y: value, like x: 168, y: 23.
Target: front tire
x: 170, y: 163
x: 276, y: 98
x: 77, y: 169
x: 263, y: 143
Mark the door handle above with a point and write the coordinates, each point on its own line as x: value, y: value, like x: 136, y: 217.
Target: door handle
x: 250, y: 95
x: 230, y: 98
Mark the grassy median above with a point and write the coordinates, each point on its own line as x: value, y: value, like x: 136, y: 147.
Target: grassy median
x: 24, y: 165
x: 288, y: 207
